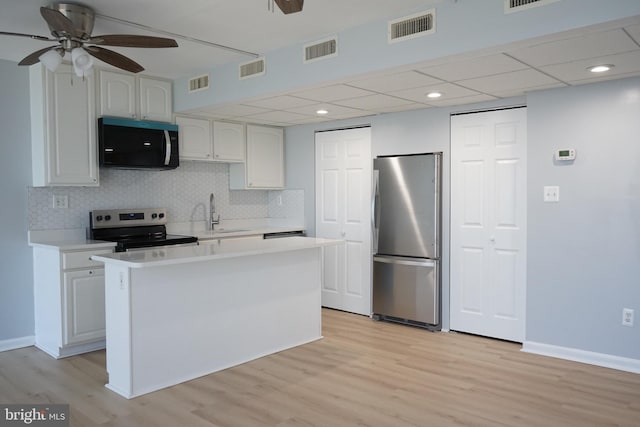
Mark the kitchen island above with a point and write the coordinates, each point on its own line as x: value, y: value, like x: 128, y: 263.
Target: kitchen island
x: 177, y: 313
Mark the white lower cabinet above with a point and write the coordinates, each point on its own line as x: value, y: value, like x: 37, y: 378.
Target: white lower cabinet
x: 83, y: 306
x: 69, y: 301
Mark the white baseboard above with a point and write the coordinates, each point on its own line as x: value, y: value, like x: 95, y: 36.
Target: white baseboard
x: 583, y: 356
x: 14, y: 343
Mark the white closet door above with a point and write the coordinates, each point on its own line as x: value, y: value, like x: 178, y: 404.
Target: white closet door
x: 343, y: 211
x: 488, y: 223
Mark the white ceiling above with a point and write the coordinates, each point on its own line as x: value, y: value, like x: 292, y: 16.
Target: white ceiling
x: 506, y: 71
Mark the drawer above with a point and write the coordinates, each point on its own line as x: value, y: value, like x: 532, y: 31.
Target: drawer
x: 81, y: 259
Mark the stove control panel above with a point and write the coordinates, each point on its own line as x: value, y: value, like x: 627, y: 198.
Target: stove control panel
x: 127, y: 217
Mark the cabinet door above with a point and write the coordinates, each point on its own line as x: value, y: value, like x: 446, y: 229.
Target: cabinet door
x: 83, y: 310
x: 117, y: 94
x: 194, y: 137
x: 228, y: 141
x: 265, y: 157
x: 70, y: 151
x: 156, y: 101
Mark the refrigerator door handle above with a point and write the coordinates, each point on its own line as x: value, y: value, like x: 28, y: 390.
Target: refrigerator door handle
x: 375, y: 210
x: 404, y: 261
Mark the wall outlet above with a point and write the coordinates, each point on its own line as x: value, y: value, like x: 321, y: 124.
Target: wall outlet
x: 60, y: 202
x: 627, y: 317
x: 552, y: 193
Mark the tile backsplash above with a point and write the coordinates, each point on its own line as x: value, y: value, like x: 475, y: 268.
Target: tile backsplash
x: 183, y: 191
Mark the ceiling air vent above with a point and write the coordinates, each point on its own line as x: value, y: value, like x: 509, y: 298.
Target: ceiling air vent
x: 413, y: 26
x: 199, y: 83
x: 252, y: 69
x: 519, y: 5
x: 321, y: 50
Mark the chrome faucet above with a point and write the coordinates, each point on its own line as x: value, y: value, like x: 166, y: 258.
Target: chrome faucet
x: 214, y: 218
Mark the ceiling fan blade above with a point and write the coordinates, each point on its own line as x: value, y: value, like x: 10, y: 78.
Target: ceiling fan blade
x: 31, y: 36
x: 290, y: 6
x: 127, y: 40
x: 114, y: 58
x: 57, y: 21
x: 35, y: 56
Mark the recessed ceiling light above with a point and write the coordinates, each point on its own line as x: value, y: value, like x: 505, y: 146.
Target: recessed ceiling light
x: 322, y: 112
x: 434, y: 95
x: 600, y: 68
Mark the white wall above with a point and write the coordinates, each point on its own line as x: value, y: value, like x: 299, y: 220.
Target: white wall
x: 583, y: 252
x: 16, y: 277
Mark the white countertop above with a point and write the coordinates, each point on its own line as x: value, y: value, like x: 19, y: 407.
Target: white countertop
x: 74, y: 239
x: 66, y: 240
x: 224, y: 248
x: 223, y: 232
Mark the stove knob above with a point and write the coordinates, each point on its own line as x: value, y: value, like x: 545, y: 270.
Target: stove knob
x: 107, y: 217
x: 161, y: 215
x: 154, y: 215
x: 99, y: 218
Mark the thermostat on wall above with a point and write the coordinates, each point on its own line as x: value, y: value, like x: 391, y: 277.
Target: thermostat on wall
x: 565, y: 154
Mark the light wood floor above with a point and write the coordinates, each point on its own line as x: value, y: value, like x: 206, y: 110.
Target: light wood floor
x: 362, y: 373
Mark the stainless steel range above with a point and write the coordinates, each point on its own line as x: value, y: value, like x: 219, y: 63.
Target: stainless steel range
x: 135, y: 229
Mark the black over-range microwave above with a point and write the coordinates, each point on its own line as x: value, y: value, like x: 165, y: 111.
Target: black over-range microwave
x: 134, y: 144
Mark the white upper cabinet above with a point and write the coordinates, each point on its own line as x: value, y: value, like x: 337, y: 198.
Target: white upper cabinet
x: 228, y: 141
x: 156, y: 102
x: 264, y: 165
x: 63, y: 128
x: 197, y: 142
x: 194, y: 137
x: 127, y: 95
x: 117, y: 94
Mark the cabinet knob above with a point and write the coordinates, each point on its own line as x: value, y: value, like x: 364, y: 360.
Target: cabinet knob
x: 90, y: 271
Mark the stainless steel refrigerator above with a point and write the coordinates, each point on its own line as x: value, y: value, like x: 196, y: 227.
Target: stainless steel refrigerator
x: 406, y: 239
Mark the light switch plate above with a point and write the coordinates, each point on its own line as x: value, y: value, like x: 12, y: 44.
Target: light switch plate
x: 551, y: 193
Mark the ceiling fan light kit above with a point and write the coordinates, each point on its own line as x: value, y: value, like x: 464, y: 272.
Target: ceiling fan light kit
x: 82, y: 62
x: 52, y: 58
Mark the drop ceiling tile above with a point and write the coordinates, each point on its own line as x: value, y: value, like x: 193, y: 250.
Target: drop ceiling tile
x: 634, y: 32
x: 284, y: 102
x: 395, y: 82
x: 573, y: 72
x: 335, y: 111
x: 509, y: 93
x: 332, y: 93
x: 448, y: 90
x: 576, y: 48
x: 474, y: 67
x: 406, y: 107
x: 507, y: 82
x: 373, y: 102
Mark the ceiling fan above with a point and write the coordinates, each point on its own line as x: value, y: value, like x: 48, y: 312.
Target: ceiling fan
x: 71, y: 25
x: 290, y: 6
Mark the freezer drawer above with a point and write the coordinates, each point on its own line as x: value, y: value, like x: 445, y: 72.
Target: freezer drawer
x: 407, y: 290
